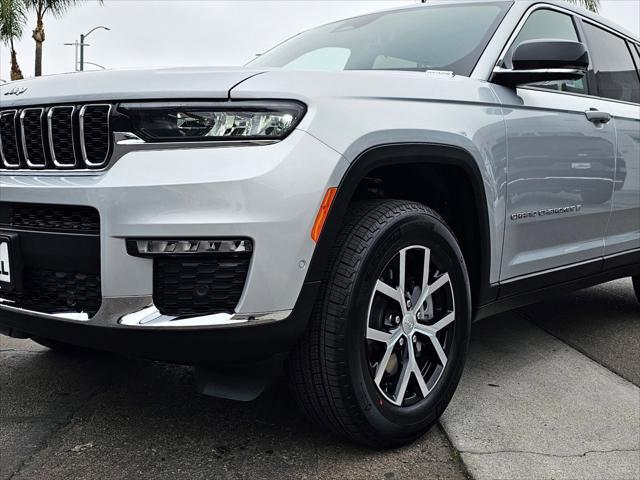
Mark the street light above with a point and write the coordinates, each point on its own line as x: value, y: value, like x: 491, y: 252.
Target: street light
x: 82, y: 44
x: 95, y: 65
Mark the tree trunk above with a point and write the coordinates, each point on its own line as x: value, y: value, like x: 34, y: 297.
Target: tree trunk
x: 38, y: 36
x: 16, y: 73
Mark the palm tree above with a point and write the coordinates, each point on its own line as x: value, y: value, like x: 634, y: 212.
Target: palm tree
x: 593, y: 5
x: 12, y: 19
x: 57, y: 8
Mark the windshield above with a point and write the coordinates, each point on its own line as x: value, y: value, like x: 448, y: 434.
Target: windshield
x: 440, y: 37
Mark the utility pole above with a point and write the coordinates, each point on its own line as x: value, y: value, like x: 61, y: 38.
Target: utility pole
x: 74, y: 44
x: 82, y: 52
x: 82, y: 44
x: 79, y: 45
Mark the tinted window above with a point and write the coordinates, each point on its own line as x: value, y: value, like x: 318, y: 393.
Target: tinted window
x: 549, y: 25
x: 439, y: 37
x: 615, y: 72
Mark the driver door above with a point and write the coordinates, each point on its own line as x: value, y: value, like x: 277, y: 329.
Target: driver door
x: 561, y: 166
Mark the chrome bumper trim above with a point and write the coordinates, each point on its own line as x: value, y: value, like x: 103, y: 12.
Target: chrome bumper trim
x: 139, y: 312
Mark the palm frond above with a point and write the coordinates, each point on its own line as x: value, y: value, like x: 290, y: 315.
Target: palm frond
x: 593, y: 5
x: 57, y: 8
x: 12, y: 19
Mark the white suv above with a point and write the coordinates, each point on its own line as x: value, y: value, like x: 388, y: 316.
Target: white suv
x: 348, y: 202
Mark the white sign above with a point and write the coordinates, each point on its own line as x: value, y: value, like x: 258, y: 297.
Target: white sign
x: 5, y: 268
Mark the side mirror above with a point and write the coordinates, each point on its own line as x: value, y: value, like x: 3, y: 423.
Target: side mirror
x: 543, y: 61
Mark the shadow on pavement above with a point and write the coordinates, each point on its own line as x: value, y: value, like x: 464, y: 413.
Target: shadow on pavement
x: 104, y: 416
x: 602, y: 322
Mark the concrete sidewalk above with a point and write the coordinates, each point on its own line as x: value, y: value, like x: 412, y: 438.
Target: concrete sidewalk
x: 531, y: 407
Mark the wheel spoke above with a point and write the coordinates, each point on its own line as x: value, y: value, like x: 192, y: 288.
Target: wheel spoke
x: 392, y: 293
x: 438, y: 348
x: 446, y: 321
x: 403, y: 383
x: 413, y: 365
x: 421, y: 383
x: 440, y: 282
x: 425, y: 270
x: 378, y: 335
x: 431, y: 289
x: 402, y: 279
x: 382, y: 366
x: 425, y: 330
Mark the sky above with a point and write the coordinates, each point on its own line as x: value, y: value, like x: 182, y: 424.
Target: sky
x: 202, y: 32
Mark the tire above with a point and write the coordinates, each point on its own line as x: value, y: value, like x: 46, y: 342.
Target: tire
x: 636, y: 286
x: 332, y: 371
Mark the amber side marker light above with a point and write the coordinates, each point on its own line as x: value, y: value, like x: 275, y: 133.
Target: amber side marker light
x: 323, y: 213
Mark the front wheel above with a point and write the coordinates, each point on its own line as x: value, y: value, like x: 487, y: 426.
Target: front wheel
x: 388, y: 338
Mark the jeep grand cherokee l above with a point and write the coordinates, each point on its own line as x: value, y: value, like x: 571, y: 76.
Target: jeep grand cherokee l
x: 351, y: 200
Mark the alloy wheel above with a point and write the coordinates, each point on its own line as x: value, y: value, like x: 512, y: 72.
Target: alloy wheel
x: 410, y: 324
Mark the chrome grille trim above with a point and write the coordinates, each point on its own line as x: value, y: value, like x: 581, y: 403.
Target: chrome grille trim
x: 25, y: 145
x: 52, y: 148
x: 49, y: 140
x: 3, y: 157
x: 83, y: 146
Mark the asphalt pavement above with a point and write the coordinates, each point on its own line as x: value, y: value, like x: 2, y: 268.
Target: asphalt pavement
x: 550, y: 391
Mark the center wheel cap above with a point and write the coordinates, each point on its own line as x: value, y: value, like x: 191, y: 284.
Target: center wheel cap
x: 408, y: 324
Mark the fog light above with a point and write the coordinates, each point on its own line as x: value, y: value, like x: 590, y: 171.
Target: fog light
x: 187, y: 247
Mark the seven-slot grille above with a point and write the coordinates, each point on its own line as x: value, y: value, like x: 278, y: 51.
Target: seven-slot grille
x: 55, y: 138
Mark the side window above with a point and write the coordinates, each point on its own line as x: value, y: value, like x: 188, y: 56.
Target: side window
x: 615, y: 72
x: 549, y: 25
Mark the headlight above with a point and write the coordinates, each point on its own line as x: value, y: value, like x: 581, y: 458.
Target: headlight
x: 199, y: 121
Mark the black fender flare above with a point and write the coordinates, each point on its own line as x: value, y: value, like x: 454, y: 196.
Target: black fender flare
x: 400, y: 154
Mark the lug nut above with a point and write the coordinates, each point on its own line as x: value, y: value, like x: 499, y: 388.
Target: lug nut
x: 408, y: 303
x: 415, y: 339
x: 397, y: 320
x: 419, y: 316
x: 401, y: 342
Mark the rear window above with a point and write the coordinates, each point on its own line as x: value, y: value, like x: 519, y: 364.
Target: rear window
x: 438, y: 37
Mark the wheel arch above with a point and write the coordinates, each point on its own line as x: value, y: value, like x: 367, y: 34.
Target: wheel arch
x: 404, y: 154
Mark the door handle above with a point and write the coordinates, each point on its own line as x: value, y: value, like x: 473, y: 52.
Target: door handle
x: 598, y: 117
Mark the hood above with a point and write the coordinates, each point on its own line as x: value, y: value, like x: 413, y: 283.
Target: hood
x: 114, y: 85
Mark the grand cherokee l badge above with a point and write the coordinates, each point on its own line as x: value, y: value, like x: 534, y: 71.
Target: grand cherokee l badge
x: 546, y: 212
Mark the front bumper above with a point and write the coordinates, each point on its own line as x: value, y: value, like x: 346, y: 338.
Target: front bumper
x: 269, y: 194
x: 224, y: 340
